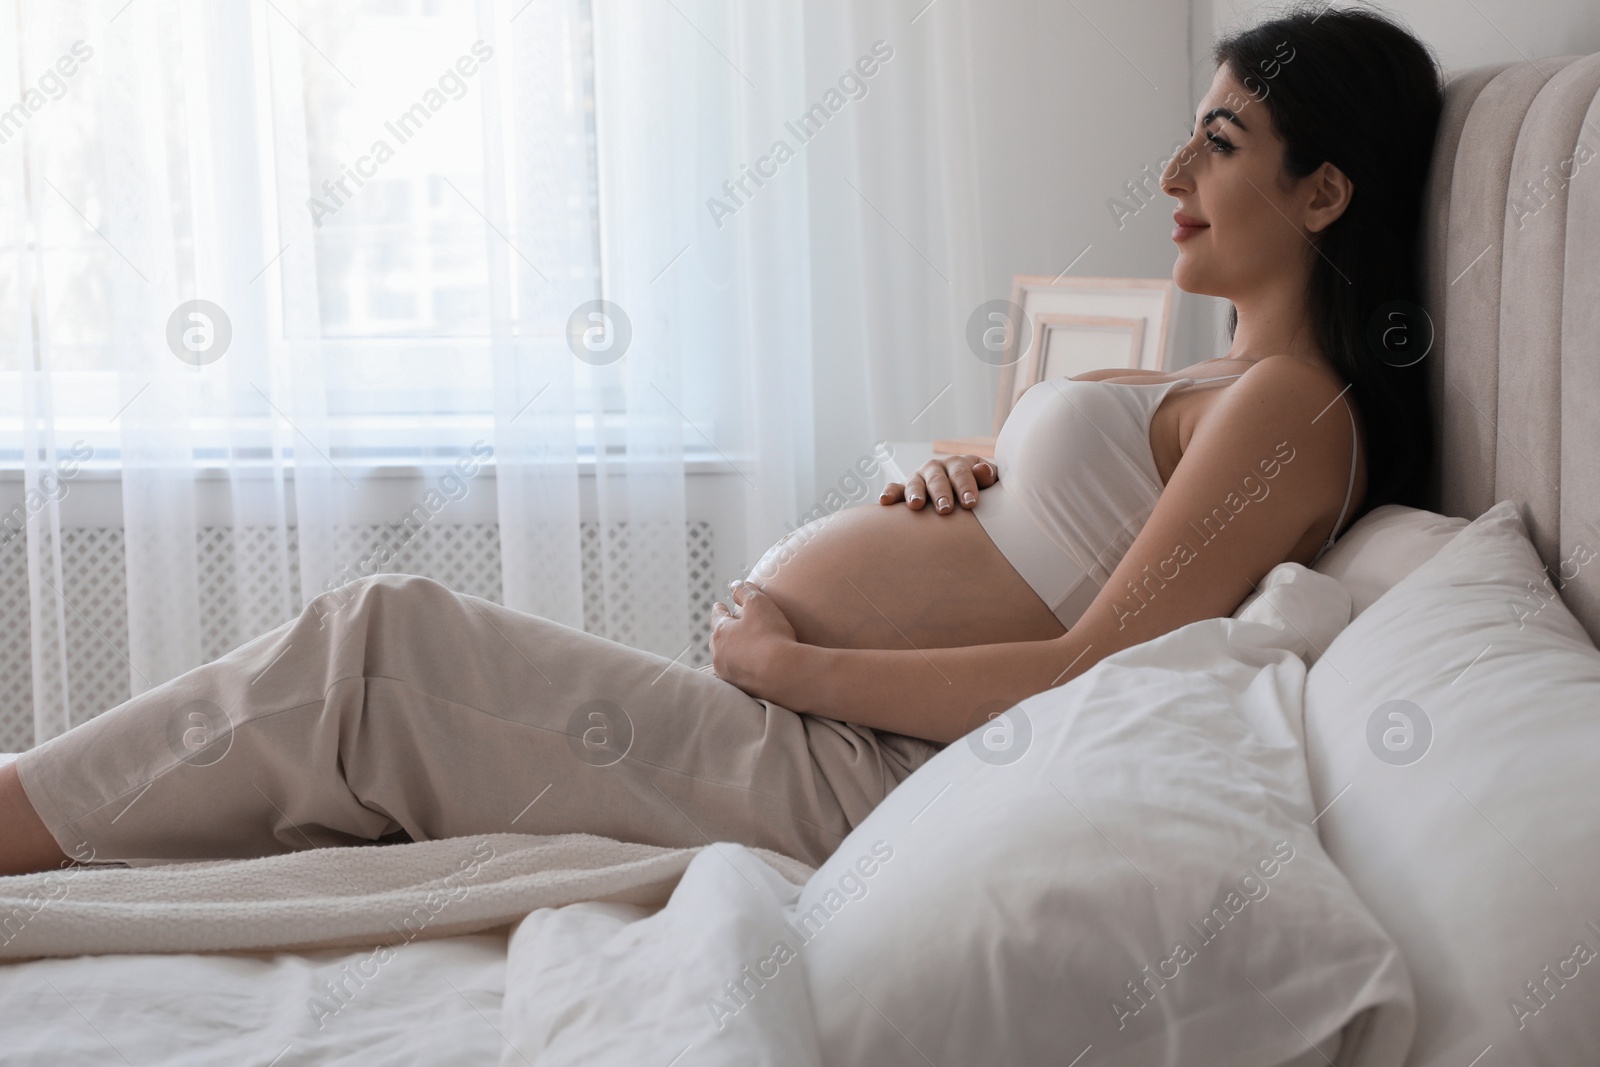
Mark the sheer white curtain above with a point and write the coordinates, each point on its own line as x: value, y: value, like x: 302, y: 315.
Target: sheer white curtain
x: 899, y: 207
x: 396, y: 214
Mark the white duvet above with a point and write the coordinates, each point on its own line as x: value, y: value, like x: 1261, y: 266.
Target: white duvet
x: 741, y: 967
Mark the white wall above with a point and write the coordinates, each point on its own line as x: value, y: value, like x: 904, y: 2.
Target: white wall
x: 1073, y: 107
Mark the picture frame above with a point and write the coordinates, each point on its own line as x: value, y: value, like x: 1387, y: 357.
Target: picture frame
x: 1075, y: 324
x: 1066, y: 342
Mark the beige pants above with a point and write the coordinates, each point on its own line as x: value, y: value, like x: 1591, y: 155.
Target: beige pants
x: 395, y: 707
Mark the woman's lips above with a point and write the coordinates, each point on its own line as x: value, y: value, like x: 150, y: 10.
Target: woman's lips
x: 1187, y: 227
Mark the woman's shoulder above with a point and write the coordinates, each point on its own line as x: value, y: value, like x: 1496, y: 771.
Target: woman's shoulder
x: 1289, y: 396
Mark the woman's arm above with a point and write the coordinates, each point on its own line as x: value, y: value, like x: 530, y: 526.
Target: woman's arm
x: 1261, y: 481
x: 938, y: 694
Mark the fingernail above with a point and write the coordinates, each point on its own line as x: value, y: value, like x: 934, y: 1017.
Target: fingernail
x: 913, y: 498
x: 968, y: 497
x: 944, y: 504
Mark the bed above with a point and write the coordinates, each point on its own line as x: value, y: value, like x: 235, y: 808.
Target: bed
x: 1348, y: 825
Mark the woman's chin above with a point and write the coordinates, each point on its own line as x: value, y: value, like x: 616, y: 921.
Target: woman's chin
x: 1189, y: 279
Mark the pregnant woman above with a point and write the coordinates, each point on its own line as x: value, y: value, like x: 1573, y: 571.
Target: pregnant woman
x: 1120, y: 505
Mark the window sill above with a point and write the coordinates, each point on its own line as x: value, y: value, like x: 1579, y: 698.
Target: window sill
x: 695, y: 463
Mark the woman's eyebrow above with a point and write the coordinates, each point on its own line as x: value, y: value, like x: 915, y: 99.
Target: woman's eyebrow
x: 1222, y: 112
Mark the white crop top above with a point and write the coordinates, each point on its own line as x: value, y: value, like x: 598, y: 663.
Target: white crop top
x: 1077, y: 480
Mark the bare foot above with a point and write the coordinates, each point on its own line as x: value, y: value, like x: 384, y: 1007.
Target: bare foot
x: 25, y: 844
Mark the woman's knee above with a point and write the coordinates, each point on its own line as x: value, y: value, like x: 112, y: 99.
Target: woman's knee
x: 361, y: 596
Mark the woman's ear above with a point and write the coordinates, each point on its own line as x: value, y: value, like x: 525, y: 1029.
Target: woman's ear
x: 1330, y: 191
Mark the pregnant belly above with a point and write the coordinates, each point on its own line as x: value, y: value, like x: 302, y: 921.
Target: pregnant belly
x: 876, y: 576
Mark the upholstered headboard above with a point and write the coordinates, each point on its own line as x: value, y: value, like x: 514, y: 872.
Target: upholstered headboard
x: 1512, y: 285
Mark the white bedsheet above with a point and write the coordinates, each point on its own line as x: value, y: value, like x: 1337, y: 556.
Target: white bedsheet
x: 611, y: 984
x: 434, y: 1002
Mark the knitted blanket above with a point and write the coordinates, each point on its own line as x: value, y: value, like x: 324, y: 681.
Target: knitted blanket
x: 334, y: 897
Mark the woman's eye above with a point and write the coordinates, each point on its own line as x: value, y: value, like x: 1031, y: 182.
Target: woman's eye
x: 1218, y: 144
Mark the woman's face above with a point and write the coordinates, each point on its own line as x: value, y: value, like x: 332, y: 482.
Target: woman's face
x: 1229, y: 177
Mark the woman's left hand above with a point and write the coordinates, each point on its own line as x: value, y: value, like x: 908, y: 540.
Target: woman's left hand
x: 750, y: 640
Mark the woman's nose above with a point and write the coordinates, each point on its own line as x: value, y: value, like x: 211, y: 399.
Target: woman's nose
x: 1175, y: 171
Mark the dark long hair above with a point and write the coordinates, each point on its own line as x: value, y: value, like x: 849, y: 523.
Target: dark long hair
x: 1359, y: 91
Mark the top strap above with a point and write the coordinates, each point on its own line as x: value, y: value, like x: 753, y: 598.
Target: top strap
x: 1348, y: 489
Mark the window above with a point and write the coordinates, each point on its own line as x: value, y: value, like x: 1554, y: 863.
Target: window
x: 402, y: 256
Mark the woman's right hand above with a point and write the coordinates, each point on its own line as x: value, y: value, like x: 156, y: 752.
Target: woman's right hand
x: 944, y: 479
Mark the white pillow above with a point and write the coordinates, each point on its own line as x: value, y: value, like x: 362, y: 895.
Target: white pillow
x: 1001, y: 903
x: 1382, y: 547
x: 1308, y: 607
x: 1459, y: 817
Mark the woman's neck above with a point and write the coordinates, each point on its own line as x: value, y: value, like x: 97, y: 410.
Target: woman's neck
x: 1275, y: 323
